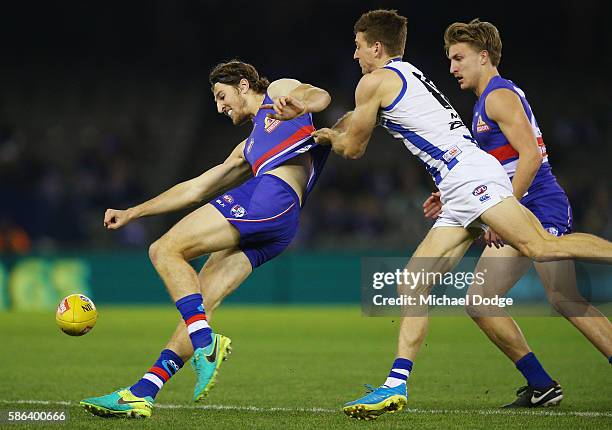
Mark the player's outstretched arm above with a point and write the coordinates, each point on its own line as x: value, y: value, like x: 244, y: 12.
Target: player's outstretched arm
x: 351, y: 135
x: 233, y: 171
x: 505, y: 108
x: 292, y: 99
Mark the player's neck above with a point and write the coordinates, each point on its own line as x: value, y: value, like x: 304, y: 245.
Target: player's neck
x: 254, y: 103
x: 484, y: 80
x: 389, y: 60
x: 382, y: 62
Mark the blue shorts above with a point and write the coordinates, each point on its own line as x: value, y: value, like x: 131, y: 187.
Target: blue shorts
x: 266, y: 211
x: 552, y: 208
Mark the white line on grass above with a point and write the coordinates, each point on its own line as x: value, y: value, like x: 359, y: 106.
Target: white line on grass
x: 534, y: 412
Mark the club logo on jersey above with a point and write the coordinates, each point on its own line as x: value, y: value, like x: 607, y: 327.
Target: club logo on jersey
x: 270, y: 124
x: 451, y: 153
x: 481, y: 126
x: 479, y: 190
x: 228, y: 198
x: 484, y: 198
x: 238, y: 211
x: 250, y: 145
x: 553, y: 230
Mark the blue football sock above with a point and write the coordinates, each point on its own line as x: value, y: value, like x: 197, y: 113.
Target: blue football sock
x: 533, y: 371
x: 192, y: 311
x: 400, y: 370
x: 164, y: 368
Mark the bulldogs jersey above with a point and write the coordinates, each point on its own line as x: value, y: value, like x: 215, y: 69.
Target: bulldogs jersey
x: 491, y: 139
x: 273, y: 142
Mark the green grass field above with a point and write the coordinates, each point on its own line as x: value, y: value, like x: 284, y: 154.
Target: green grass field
x: 295, y: 367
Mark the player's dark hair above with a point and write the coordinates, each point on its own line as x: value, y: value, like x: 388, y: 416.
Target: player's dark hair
x: 482, y: 35
x: 233, y: 71
x: 384, y: 26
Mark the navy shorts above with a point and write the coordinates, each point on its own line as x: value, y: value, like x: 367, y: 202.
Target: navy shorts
x: 553, y: 210
x: 266, y: 211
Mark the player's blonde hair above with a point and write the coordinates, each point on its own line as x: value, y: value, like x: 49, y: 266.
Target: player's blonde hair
x: 384, y: 26
x: 482, y: 35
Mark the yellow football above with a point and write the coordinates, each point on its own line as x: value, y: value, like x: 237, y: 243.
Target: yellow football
x: 76, y: 315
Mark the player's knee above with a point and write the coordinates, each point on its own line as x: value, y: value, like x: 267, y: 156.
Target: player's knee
x: 557, y: 301
x: 568, y: 306
x: 156, y: 252
x: 536, y: 249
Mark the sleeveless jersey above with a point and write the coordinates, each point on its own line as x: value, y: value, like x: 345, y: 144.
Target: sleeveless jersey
x: 491, y: 139
x: 273, y: 142
x: 423, y: 118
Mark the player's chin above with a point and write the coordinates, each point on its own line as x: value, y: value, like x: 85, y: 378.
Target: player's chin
x: 239, y: 120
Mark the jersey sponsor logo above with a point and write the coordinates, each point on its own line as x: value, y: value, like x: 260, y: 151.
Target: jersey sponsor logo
x: 484, y: 198
x: 479, y: 190
x: 220, y: 203
x: 270, y: 124
x: 303, y: 149
x: 250, y: 145
x: 451, y: 153
x: 238, y: 211
x: 481, y: 126
x: 228, y: 198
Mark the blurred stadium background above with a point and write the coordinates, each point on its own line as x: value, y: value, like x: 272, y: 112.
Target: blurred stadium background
x: 108, y: 104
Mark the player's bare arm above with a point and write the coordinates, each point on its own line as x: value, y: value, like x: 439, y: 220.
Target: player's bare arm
x: 343, y: 123
x: 233, y: 171
x: 293, y: 98
x: 505, y: 108
x: 351, y: 141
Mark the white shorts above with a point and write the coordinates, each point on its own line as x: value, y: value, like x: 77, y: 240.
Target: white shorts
x: 474, y: 185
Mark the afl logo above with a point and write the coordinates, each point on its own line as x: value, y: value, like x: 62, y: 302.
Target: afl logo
x: 228, y: 198
x: 479, y: 190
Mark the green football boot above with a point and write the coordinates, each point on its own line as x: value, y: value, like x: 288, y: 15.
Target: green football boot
x: 120, y: 403
x: 206, y: 362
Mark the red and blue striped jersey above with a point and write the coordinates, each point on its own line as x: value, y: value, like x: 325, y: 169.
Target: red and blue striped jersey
x: 491, y: 139
x: 273, y: 142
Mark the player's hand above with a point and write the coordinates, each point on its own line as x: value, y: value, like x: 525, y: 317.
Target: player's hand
x: 493, y: 239
x: 324, y: 136
x: 114, y: 218
x: 286, y: 108
x: 432, y: 207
